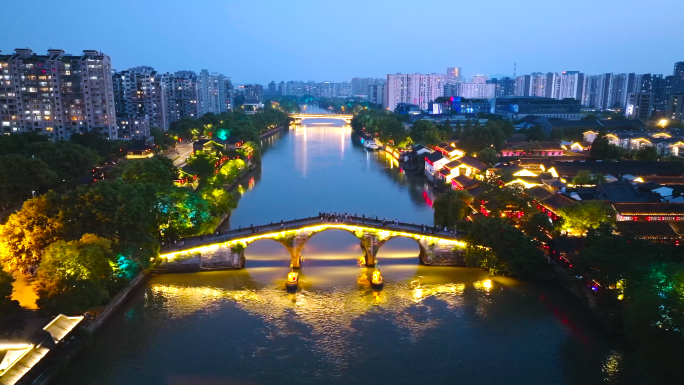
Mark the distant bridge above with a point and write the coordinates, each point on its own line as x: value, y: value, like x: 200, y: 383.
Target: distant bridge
x: 227, y: 249
x: 302, y: 116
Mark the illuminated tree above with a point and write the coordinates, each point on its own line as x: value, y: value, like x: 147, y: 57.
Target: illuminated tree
x: 488, y: 156
x: 74, y: 275
x: 28, y: 231
x: 158, y: 170
x: 585, y: 215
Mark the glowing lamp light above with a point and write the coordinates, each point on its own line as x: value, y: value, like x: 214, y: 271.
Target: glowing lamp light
x: 487, y: 284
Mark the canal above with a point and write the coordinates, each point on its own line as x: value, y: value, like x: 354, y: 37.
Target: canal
x: 429, y: 325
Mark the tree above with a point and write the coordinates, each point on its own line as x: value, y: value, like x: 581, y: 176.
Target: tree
x: 510, y: 250
x: 158, y: 171
x: 28, y: 231
x: 203, y: 165
x: 20, y: 177
x: 67, y: 159
x: 390, y: 129
x: 488, y: 156
x: 539, y: 226
x: 654, y: 320
x: 7, y: 305
x: 646, y: 153
x: 536, y: 133
x: 182, y: 213
x: 426, y: 133
x: 601, y: 149
x: 74, y: 275
x: 451, y: 207
x: 557, y: 134
x: 584, y: 215
x: 161, y: 138
x: 582, y: 178
x: 127, y: 213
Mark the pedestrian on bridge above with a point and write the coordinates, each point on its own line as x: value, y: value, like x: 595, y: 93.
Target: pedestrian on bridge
x: 282, y: 224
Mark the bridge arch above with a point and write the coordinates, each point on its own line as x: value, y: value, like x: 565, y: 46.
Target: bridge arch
x: 296, y: 251
x: 422, y: 251
x: 274, y: 247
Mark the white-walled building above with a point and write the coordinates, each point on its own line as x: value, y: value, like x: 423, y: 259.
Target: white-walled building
x: 181, y: 95
x: 418, y: 89
x: 213, y: 91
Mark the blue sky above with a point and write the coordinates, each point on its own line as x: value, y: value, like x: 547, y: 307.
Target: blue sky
x: 264, y: 40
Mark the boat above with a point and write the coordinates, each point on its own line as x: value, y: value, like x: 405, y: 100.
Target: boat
x: 370, y: 144
x: 292, y: 281
x: 376, y: 280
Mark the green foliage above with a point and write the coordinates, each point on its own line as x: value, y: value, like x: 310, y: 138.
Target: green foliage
x: 203, y: 164
x: 240, y: 125
x: 105, y: 148
x: 237, y: 248
x: 7, y: 305
x: 162, y: 139
x: 67, y: 159
x: 601, y: 149
x: 158, y: 171
x: 451, y: 207
x: 654, y: 321
x: 74, y: 275
x: 646, y: 153
x: 512, y: 252
x: 499, y: 199
x: 488, y: 156
x: 536, y: 133
x: 539, y: 226
x: 181, y: 213
x: 584, y: 215
x: 476, y: 139
x: 426, y: 133
x: 20, y: 177
x: 585, y: 177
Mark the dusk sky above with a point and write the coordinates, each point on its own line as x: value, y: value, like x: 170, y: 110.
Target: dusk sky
x: 264, y: 40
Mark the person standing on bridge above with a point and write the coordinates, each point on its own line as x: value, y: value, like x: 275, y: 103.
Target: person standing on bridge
x: 282, y: 224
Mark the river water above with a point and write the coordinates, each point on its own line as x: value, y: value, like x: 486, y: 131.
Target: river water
x: 429, y: 325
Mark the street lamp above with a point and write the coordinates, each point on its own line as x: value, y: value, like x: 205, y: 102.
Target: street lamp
x: 663, y: 123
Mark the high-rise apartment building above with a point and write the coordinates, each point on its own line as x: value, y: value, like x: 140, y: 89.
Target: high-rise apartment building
x: 571, y: 85
x: 139, y: 92
x: 638, y: 105
x: 359, y: 86
x: 213, y: 93
x: 523, y: 85
x: 418, y: 89
x: 538, y: 84
x: 552, y: 86
x: 376, y: 94
x: 57, y: 94
x: 254, y: 93
x: 181, y: 95
x: 454, y: 75
x: 272, y: 89
x: 675, y: 108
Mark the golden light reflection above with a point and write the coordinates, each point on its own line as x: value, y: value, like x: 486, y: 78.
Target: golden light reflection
x: 328, y: 314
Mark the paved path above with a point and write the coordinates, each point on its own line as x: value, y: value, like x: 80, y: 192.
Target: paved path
x: 304, y: 222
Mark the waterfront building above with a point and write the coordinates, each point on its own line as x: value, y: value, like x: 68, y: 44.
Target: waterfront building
x: 139, y: 95
x: 181, y: 95
x: 418, y: 89
x: 57, y: 94
x: 213, y: 93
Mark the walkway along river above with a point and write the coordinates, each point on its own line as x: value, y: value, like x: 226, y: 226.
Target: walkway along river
x: 429, y: 325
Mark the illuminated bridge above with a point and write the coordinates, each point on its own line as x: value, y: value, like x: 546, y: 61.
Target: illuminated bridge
x: 227, y: 249
x: 301, y: 116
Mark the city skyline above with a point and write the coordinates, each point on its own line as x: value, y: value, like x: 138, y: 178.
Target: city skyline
x: 290, y: 41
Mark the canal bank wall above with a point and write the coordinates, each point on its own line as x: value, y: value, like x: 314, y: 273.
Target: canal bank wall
x: 54, y: 365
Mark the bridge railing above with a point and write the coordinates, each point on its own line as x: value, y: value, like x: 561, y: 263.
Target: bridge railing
x: 371, y: 221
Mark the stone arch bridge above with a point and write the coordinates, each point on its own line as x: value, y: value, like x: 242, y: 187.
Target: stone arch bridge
x: 227, y: 250
x: 298, y: 117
